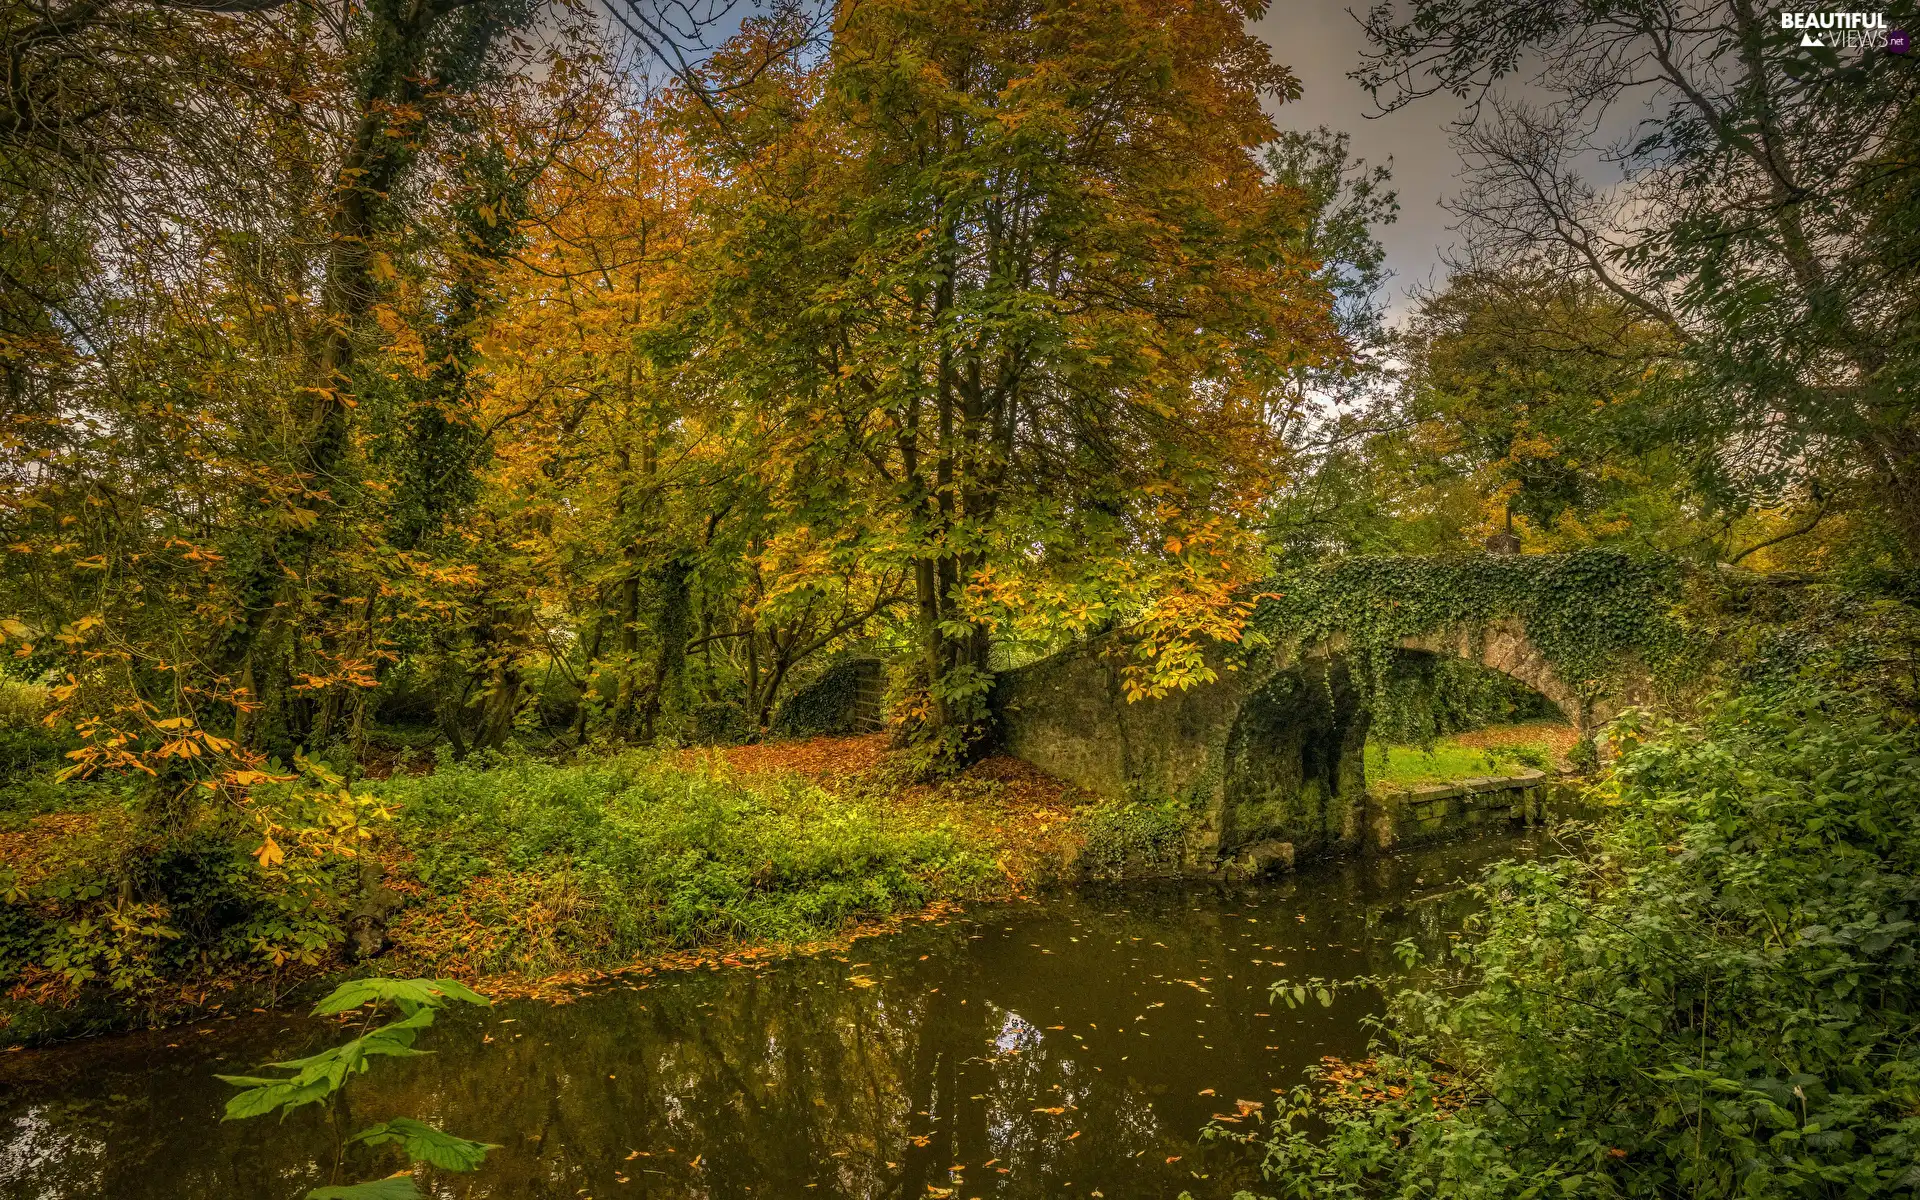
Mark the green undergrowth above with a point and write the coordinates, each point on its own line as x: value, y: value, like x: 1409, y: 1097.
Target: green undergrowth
x: 532, y: 867
x: 1720, y: 1000
x: 1129, y: 839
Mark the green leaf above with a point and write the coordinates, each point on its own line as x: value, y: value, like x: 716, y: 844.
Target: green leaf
x: 424, y: 1143
x: 459, y: 991
x: 286, y: 1096
x: 356, y: 992
x: 393, y: 1187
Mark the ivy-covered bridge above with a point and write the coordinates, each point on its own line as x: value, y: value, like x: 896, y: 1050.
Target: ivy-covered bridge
x: 1271, y: 753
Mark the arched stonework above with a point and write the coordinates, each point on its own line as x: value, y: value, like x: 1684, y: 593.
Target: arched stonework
x: 1270, y: 752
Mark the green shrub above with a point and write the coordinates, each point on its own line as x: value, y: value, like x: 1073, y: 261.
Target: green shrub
x: 1723, y: 1000
x: 115, y: 908
x: 661, y: 856
x: 1125, y: 838
x: 29, y: 750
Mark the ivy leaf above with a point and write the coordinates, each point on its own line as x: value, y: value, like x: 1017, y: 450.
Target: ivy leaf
x: 423, y: 1143
x: 393, y: 1187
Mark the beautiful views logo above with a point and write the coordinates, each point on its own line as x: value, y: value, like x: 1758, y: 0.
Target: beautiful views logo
x: 1839, y: 30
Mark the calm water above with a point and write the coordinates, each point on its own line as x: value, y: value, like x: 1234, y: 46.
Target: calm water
x: 1073, y: 1047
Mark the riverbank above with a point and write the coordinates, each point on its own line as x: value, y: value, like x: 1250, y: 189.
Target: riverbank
x: 529, y: 877
x: 521, y: 876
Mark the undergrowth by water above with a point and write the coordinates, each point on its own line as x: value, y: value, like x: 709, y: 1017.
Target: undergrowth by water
x: 527, y: 866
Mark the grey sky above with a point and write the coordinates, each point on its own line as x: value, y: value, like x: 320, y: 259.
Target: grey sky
x: 1321, y: 42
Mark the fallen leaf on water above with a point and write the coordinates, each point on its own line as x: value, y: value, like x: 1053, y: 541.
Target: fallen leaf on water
x: 638, y: 1154
x: 1206, y: 1091
x: 938, y: 1191
x: 696, y: 1160
x: 860, y: 981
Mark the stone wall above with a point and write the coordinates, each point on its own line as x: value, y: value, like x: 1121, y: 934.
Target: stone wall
x: 844, y: 699
x: 1392, y: 819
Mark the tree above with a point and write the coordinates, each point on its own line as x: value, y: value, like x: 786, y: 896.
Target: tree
x: 1012, y: 276
x: 1761, y: 219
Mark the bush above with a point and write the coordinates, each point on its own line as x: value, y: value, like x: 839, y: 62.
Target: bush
x: 630, y: 854
x: 28, y: 749
x: 1124, y: 838
x: 1723, y: 1000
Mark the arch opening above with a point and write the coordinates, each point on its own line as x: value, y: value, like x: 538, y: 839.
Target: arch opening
x: 1294, y: 769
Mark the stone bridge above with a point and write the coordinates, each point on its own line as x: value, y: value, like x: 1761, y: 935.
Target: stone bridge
x: 1271, y: 753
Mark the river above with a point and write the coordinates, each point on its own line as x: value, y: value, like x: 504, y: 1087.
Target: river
x: 1073, y: 1046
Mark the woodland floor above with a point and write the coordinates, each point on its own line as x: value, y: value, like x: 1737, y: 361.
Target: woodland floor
x: 1022, y: 815
x: 1007, y: 802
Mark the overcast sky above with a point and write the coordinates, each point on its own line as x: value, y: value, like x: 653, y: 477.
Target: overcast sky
x: 1321, y: 42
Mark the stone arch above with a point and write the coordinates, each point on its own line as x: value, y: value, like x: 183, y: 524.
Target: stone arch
x: 1271, y: 751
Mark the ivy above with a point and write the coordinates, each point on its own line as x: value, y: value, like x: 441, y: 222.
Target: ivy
x: 1589, y: 612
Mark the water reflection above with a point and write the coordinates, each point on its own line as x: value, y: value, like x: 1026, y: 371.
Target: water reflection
x: 1070, y: 1048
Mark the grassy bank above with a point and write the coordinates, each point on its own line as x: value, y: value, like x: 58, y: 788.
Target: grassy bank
x: 511, y: 871
x: 530, y: 868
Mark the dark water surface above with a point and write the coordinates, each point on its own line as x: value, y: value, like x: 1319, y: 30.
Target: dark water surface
x: 1072, y: 1047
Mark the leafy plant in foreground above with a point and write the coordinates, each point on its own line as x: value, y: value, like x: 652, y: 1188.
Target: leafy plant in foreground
x: 322, y: 1077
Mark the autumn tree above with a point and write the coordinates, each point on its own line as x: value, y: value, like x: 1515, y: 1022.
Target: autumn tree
x: 196, y: 520
x: 1012, y: 274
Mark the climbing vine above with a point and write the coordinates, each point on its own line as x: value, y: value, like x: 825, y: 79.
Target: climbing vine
x: 1589, y: 611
